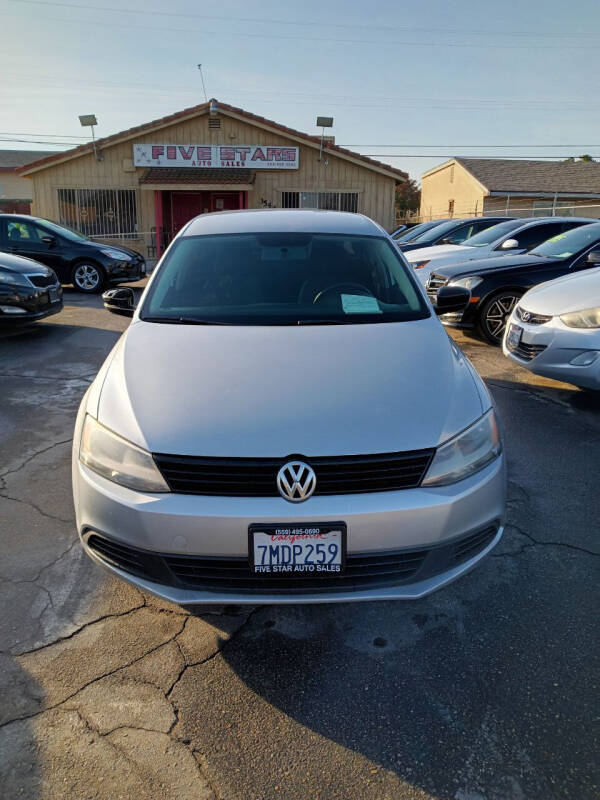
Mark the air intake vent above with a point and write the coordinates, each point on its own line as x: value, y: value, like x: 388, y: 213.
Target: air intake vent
x: 214, y: 122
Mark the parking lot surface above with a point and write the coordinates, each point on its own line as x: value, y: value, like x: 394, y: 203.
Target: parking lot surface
x: 483, y: 691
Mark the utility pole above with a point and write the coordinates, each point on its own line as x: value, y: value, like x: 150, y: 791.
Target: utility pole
x: 203, y: 86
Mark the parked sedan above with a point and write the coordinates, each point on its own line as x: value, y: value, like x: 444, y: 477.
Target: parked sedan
x: 28, y: 291
x: 451, y: 232
x: 515, y: 236
x: 88, y: 265
x: 497, y: 284
x: 252, y: 438
x: 554, y: 331
x: 416, y: 231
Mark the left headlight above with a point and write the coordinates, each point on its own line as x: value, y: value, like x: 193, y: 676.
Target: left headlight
x: 588, y: 318
x: 118, y: 460
x: 466, y: 453
x: 116, y: 255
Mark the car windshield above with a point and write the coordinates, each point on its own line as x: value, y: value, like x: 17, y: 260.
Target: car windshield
x: 567, y: 244
x: 439, y: 231
x: 414, y: 233
x: 490, y: 235
x: 63, y: 230
x: 283, y: 279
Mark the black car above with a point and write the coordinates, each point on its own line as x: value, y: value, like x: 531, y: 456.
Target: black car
x: 497, y: 283
x: 450, y: 231
x: 415, y: 231
x: 28, y: 291
x: 90, y: 266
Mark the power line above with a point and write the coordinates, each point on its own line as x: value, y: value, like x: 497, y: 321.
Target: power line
x: 277, y: 36
x: 304, y: 23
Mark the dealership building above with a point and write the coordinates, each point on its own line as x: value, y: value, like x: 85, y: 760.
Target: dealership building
x: 142, y: 185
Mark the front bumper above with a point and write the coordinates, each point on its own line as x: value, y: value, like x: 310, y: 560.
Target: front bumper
x: 432, y: 519
x: 558, y: 345
x: 34, y: 303
x: 126, y: 271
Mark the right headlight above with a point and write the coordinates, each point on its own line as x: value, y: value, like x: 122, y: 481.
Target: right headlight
x: 466, y: 453
x: 118, y: 460
x: 588, y: 318
x: 467, y: 283
x: 13, y: 278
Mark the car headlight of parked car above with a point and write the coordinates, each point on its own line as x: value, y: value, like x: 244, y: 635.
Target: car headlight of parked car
x: 118, y: 460
x: 467, y: 283
x: 116, y: 255
x: 587, y: 318
x: 421, y: 264
x: 13, y: 279
x: 466, y: 453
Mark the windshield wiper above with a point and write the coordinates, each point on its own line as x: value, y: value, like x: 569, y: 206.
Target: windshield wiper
x: 185, y: 320
x: 323, y: 322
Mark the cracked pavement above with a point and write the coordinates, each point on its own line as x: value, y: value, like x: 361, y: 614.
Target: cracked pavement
x: 483, y: 691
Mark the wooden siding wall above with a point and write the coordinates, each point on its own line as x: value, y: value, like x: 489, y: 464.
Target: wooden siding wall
x: 376, y: 191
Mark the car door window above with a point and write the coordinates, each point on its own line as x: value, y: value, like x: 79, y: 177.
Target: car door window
x: 460, y: 234
x: 536, y: 234
x: 23, y: 233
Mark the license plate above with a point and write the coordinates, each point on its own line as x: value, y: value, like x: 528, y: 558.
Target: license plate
x: 297, y: 550
x: 53, y: 295
x: 514, y: 336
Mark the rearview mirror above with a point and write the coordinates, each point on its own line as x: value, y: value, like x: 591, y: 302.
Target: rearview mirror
x: 593, y: 257
x: 509, y: 244
x: 120, y: 301
x: 451, y: 299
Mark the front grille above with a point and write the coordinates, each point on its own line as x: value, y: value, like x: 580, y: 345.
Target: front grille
x: 526, y: 352
x: 530, y: 318
x: 473, y: 544
x: 434, y: 283
x: 43, y: 281
x: 257, y: 477
x: 363, y: 570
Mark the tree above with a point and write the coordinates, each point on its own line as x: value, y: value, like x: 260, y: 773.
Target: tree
x: 408, y: 198
x: 581, y: 158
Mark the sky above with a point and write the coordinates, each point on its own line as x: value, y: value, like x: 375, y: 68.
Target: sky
x: 410, y: 83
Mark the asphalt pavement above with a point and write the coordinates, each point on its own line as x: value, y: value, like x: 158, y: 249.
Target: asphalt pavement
x: 483, y: 691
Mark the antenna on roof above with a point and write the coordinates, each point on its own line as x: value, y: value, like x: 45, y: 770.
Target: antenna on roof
x: 203, y: 86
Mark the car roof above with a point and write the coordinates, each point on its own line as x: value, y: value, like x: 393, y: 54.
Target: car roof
x: 282, y: 220
x: 534, y: 220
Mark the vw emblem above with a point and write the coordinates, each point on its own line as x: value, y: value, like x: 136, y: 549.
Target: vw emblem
x: 296, y: 481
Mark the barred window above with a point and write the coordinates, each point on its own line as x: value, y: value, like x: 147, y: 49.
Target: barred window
x: 101, y: 213
x: 331, y: 201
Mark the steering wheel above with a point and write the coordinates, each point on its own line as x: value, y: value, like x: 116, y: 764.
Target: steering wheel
x: 350, y: 287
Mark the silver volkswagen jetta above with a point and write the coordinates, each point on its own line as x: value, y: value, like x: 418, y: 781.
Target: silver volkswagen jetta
x: 286, y: 420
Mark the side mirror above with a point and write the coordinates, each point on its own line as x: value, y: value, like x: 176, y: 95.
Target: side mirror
x: 447, y: 240
x: 452, y: 299
x: 48, y: 239
x: 120, y: 301
x: 509, y: 244
x: 593, y: 257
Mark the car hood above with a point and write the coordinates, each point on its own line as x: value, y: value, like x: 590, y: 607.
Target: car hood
x: 482, y: 266
x: 435, y: 251
x: 277, y: 391
x: 22, y: 265
x: 562, y: 295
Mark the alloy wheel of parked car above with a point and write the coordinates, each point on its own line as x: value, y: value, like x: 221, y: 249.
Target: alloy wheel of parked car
x: 88, y: 278
x: 495, y: 314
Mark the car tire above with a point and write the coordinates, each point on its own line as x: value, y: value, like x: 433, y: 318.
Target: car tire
x: 88, y: 277
x: 494, y: 315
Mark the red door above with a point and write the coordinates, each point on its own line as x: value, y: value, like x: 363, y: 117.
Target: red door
x: 225, y: 201
x: 185, y: 206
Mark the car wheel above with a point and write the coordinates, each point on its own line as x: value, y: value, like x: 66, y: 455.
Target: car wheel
x: 88, y: 277
x: 494, y: 316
